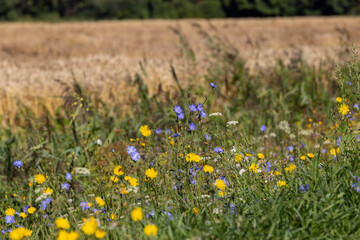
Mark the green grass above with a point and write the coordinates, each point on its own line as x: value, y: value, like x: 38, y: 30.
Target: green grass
x: 253, y: 205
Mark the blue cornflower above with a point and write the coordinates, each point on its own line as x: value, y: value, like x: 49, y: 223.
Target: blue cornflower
x: 323, y: 150
x: 43, y: 205
x: 131, y: 150
x: 356, y: 106
x: 304, y: 188
x: 193, y: 181
x: 48, y: 200
x: 213, y: 85
x: 26, y: 209
x: 338, y: 140
x: 150, y: 214
x: 291, y: 157
x: 168, y: 131
x: 192, y: 108
x: 68, y: 176
x: 192, y: 126
x: 218, y: 150
x: 158, y: 131
x: 207, y: 137
x: 178, y: 109
x: 18, y: 163
x: 180, y: 115
x: 135, y: 156
x: 203, y: 114
x: 84, y: 205
x: 46, y: 216
x: 290, y: 148
x: 176, y: 135
x: 263, y: 128
x: 167, y: 213
x: 268, y: 167
x: 348, y: 83
x: 9, y: 219
x: 200, y: 107
x: 65, y: 186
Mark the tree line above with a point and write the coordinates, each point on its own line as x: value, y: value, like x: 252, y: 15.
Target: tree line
x: 171, y: 9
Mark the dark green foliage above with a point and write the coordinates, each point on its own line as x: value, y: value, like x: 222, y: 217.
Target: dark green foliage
x: 141, y: 9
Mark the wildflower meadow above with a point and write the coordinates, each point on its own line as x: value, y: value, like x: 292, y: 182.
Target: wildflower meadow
x: 273, y: 155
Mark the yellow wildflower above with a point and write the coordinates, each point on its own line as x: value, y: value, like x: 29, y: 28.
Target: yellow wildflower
x: 208, y: 169
x: 137, y: 214
x: 339, y: 99
x: 100, y: 234
x: 344, y: 109
x: 31, y: 210
x: 114, y: 179
x: 62, y: 223
x: 17, y: 234
x: 40, y: 179
x: 220, y: 184
x: 151, y: 173
x: 48, y: 191
x: 119, y: 170
x: 238, y: 157
x: 10, y: 212
x: 89, y: 227
x: 310, y: 155
x: 281, y: 183
x: 290, y: 168
x: 100, y: 201
x: 254, y: 168
x: 303, y: 157
x: 145, y: 130
x: 260, y: 155
x: 193, y: 157
x: 73, y: 235
x: 195, y: 211
x: 150, y: 230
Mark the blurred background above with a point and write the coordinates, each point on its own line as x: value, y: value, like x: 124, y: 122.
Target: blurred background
x: 117, y: 50
x: 171, y: 9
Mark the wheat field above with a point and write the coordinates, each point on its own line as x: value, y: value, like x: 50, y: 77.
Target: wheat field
x: 37, y: 59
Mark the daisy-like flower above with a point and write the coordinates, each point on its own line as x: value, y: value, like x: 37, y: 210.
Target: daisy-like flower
x: 220, y: 184
x: 100, y: 201
x: 254, y: 168
x: 145, y: 130
x: 62, y: 223
x: 151, y: 173
x: 10, y: 212
x: 208, y: 169
x: 281, y: 183
x: 137, y: 214
x: 150, y: 230
x: 114, y: 179
x: 119, y: 170
x: 40, y: 179
x: 48, y: 191
x: 344, y: 109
